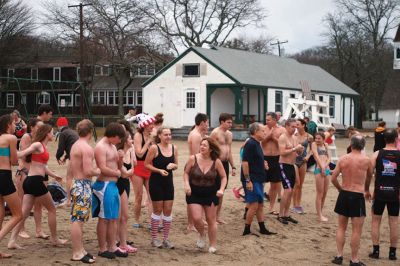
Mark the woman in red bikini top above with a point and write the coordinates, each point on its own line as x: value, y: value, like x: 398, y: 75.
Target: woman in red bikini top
x: 39, y: 154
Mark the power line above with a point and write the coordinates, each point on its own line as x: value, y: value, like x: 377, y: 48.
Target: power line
x: 279, y: 45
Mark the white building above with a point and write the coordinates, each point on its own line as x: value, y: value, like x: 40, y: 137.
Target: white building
x: 242, y: 83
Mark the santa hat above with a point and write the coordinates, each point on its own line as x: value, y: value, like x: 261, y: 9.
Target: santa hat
x: 144, y: 120
x: 62, y: 122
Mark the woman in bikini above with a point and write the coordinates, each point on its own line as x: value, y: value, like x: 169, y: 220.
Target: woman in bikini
x: 319, y: 149
x: 34, y: 185
x: 301, y: 164
x: 126, y: 154
x: 161, y: 160
x: 22, y: 173
x: 8, y: 193
x: 142, y: 142
x: 202, y: 190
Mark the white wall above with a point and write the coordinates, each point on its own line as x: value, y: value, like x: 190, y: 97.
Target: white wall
x: 390, y: 116
x: 222, y: 101
x: 165, y: 93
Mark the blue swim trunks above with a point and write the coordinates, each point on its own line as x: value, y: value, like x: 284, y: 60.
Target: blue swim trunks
x: 105, y: 200
x: 257, y: 195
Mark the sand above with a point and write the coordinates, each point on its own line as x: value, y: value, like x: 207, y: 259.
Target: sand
x: 308, y: 243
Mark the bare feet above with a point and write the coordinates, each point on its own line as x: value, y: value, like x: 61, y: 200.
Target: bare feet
x: 24, y: 234
x: 220, y: 221
x: 59, y: 242
x: 42, y: 235
x: 5, y: 255
x: 323, y: 219
x: 13, y: 245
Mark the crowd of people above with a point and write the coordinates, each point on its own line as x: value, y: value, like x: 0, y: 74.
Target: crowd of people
x: 138, y: 151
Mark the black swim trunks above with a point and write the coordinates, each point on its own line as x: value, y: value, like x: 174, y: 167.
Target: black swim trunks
x: 350, y: 204
x: 273, y: 172
x: 378, y: 206
x: 6, y: 183
x: 288, y: 175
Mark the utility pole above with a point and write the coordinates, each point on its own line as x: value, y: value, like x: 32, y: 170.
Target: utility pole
x: 81, y: 53
x: 279, y: 45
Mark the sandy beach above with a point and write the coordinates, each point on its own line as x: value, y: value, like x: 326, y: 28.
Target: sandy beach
x: 308, y: 243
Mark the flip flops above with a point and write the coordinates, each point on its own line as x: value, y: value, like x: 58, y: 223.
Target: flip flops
x: 85, y: 259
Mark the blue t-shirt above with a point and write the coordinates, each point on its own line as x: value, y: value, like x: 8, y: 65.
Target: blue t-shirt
x: 253, y: 154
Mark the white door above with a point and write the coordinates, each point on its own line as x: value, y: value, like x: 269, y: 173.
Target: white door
x: 190, y: 106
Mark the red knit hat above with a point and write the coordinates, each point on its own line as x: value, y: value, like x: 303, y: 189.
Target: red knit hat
x: 62, y: 122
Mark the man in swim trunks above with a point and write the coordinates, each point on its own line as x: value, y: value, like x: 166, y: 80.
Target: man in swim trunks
x: 106, y: 202
x: 289, y: 149
x: 253, y: 178
x: 386, y: 193
x: 355, y: 168
x: 196, y: 135
x: 223, y: 136
x: 271, y: 156
x: 81, y: 158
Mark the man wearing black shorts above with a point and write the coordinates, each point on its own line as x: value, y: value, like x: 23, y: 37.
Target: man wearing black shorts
x: 289, y: 149
x: 355, y: 167
x: 387, y: 183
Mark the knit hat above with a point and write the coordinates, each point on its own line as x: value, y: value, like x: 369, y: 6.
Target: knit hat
x: 144, y: 120
x: 62, y: 122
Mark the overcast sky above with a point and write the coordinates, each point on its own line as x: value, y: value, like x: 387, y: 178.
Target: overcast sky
x: 297, y: 21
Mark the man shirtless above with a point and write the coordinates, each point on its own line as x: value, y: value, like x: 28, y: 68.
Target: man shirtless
x: 289, y: 149
x: 355, y: 168
x: 198, y: 132
x: 81, y: 160
x: 271, y: 156
x: 106, y: 202
x: 224, y: 138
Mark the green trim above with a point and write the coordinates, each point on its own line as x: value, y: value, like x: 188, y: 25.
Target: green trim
x: 265, y: 92
x: 210, y: 91
x: 170, y: 64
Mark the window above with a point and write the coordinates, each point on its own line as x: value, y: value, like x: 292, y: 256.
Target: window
x: 99, y: 98
x: 332, y: 106
x: 313, y: 97
x: 139, y: 98
x: 191, y: 70
x: 98, y: 71
x: 142, y: 70
x: 23, y: 98
x: 292, y: 95
x: 78, y: 74
x: 151, y: 70
x: 34, y: 73
x: 112, y: 98
x: 10, y: 100
x: 43, y: 98
x: 398, y: 53
x: 190, y: 99
x: 321, y: 98
x: 107, y: 71
x: 278, y: 101
x: 57, y: 73
x: 11, y: 72
x: 129, y: 98
x: 65, y: 100
x: 77, y: 99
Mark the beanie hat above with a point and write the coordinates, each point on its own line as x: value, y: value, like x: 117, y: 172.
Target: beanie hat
x: 144, y: 120
x: 62, y: 122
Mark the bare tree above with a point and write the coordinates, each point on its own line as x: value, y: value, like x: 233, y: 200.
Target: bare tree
x: 259, y: 44
x: 16, y: 22
x: 198, y: 22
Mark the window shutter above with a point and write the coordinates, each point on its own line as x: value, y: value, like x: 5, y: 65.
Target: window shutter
x: 203, y: 69
x: 179, y: 70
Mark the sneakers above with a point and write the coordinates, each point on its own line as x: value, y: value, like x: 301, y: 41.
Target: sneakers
x: 374, y: 255
x: 282, y: 220
x: 290, y: 219
x: 359, y: 263
x: 298, y: 210
x: 337, y: 260
x: 201, y: 243
x: 156, y: 243
x: 168, y: 244
x: 212, y: 250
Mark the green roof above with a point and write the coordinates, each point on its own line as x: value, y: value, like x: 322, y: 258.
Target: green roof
x: 270, y: 71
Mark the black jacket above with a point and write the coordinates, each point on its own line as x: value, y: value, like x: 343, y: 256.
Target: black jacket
x: 66, y: 139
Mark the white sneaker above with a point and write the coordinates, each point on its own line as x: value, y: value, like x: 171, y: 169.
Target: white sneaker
x: 168, y: 244
x: 156, y: 243
x: 212, y: 250
x: 201, y: 243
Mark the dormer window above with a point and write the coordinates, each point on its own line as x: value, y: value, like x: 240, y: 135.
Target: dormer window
x: 11, y: 72
x: 191, y: 70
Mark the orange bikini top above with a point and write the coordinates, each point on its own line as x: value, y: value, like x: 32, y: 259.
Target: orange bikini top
x: 41, y: 157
